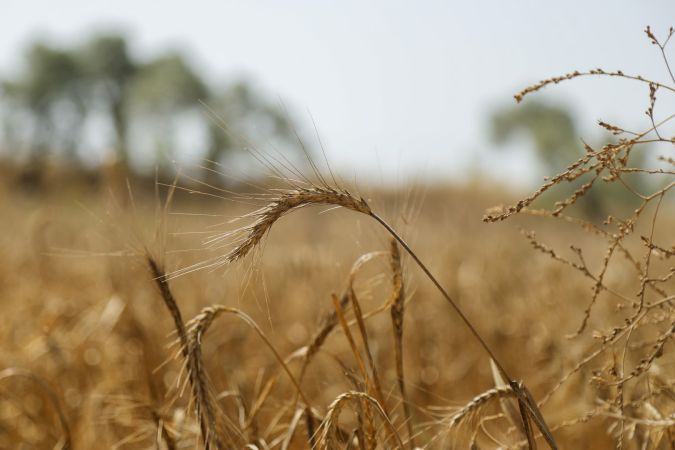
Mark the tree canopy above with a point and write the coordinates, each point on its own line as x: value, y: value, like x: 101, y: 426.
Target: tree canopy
x: 99, y: 83
x: 551, y: 128
x: 556, y: 143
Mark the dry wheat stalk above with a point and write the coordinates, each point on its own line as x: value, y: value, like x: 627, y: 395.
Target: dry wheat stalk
x: 329, y: 319
x: 367, y: 380
x: 397, y: 310
x: 163, y: 434
x: 328, y: 323
x: 288, y: 200
x: 205, y: 404
x: 509, y: 406
x: 478, y: 401
x: 192, y: 358
x: 366, y: 346
x: 198, y: 326
x: 328, y: 439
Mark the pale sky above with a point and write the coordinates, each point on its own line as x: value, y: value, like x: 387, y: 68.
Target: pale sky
x: 396, y: 88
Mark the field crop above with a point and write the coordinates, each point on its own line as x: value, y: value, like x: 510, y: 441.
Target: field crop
x: 313, y: 314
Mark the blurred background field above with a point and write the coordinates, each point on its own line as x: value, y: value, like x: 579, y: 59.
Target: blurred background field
x: 94, y: 327
x: 102, y: 114
x: 82, y: 313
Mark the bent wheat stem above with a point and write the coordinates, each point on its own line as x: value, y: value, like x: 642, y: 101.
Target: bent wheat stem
x: 292, y: 199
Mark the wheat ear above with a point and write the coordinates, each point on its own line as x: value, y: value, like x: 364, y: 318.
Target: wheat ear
x: 202, y: 321
x: 289, y: 200
x: 478, y: 401
x: 328, y: 440
x: 198, y: 382
x: 397, y: 302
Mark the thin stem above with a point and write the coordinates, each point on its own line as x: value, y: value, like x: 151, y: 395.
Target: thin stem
x: 665, y: 59
x: 445, y: 295
x: 525, y: 402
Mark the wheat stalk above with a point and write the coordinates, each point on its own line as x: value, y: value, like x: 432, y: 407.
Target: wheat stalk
x: 397, y: 310
x: 190, y: 352
x: 328, y: 440
x: 479, y: 401
x: 288, y: 200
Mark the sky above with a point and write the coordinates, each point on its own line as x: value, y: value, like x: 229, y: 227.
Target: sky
x: 397, y: 89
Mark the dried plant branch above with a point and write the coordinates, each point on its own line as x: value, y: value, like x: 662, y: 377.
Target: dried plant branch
x: 610, y: 164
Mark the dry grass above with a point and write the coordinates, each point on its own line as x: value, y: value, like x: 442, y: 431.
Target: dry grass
x: 586, y: 319
x: 96, y: 330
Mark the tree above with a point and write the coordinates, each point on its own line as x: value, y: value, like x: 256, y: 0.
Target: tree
x: 550, y: 127
x: 61, y: 89
x: 556, y: 142
x: 163, y: 91
x: 109, y: 69
x: 240, y: 112
x: 50, y: 95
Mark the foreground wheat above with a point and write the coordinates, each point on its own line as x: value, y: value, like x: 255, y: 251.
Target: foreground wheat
x: 283, y: 202
x: 631, y: 344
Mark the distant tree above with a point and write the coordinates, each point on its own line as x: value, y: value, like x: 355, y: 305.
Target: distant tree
x: 239, y: 113
x: 550, y: 127
x: 49, y: 92
x: 167, y: 85
x: 60, y: 89
x: 161, y: 92
x: 109, y: 69
x: 557, y: 144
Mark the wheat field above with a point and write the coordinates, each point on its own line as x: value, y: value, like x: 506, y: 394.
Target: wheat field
x: 87, y: 336
x: 313, y: 314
